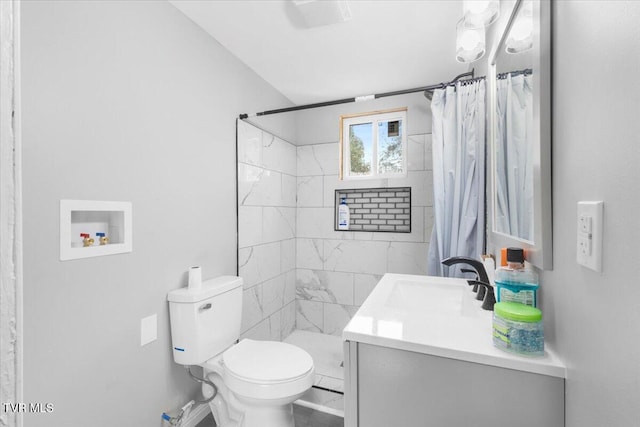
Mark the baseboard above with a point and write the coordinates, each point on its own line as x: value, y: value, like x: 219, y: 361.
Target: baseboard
x: 196, y: 415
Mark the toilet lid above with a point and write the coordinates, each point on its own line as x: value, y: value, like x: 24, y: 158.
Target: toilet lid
x: 266, y: 361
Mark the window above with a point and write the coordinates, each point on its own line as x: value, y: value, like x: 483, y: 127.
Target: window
x: 374, y: 145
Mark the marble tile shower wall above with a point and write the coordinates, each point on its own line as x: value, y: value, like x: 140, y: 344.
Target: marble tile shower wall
x: 336, y: 270
x: 266, y: 233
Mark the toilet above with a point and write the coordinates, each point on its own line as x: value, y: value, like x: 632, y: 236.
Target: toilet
x: 256, y: 381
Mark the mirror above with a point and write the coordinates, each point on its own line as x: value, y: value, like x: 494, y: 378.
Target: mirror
x: 519, y: 114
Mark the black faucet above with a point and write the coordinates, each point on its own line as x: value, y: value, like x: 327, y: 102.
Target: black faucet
x: 490, y: 298
x: 473, y: 263
x: 466, y: 270
x: 481, y: 274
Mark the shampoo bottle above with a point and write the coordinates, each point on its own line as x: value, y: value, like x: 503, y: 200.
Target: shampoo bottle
x: 343, y: 215
x: 514, y: 282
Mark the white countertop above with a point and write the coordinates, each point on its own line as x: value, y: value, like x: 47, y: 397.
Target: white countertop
x: 440, y: 317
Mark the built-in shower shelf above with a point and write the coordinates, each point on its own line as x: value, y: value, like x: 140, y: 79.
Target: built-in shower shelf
x: 385, y: 209
x: 90, y: 228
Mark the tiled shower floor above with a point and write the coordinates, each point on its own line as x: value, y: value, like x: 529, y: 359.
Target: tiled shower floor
x: 327, y: 354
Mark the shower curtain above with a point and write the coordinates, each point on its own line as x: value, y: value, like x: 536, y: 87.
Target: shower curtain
x: 514, y: 166
x: 458, y: 174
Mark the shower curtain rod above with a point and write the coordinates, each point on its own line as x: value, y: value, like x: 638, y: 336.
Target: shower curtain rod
x: 514, y: 73
x: 358, y: 98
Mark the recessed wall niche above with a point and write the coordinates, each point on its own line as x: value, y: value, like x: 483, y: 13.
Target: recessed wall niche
x: 90, y: 228
x: 385, y: 209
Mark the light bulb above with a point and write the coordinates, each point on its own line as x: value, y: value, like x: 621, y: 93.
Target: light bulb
x: 520, y: 36
x: 470, y: 42
x: 480, y: 13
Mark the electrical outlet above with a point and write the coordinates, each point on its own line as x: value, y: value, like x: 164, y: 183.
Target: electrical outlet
x: 585, y: 223
x: 584, y: 245
x: 590, y: 230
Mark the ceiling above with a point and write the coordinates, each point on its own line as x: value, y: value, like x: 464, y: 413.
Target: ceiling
x: 387, y: 45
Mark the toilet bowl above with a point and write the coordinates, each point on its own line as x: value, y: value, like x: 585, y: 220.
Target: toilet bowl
x: 261, y: 379
x: 256, y: 381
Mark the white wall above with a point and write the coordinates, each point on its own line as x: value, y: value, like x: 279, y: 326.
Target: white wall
x: 593, y: 319
x: 123, y: 101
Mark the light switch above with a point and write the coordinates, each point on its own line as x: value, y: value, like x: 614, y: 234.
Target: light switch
x: 590, y: 230
x: 148, y: 329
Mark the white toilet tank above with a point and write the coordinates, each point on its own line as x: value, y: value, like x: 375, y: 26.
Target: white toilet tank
x: 205, y: 321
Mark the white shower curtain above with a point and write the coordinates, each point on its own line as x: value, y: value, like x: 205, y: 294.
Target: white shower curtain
x: 458, y: 174
x: 514, y: 167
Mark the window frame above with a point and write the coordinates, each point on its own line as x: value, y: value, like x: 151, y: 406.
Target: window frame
x: 373, y: 117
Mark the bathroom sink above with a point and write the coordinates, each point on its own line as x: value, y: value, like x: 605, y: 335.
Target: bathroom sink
x: 438, y: 316
x: 417, y: 310
x: 432, y: 296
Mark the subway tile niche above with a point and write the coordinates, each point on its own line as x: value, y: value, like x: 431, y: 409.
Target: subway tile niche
x: 385, y: 209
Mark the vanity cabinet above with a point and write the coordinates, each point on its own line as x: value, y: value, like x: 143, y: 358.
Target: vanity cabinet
x: 388, y: 387
x: 419, y: 353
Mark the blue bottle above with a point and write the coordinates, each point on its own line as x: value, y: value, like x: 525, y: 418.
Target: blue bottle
x: 515, y: 283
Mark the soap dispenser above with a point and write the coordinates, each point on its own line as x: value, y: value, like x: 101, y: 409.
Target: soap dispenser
x: 514, y: 282
x: 343, y: 215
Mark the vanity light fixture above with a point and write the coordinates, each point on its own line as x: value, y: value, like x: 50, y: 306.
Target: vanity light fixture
x: 470, y: 42
x: 520, y: 37
x: 480, y: 13
x: 470, y: 30
x: 317, y: 13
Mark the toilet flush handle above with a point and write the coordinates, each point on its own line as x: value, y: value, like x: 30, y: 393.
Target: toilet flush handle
x: 205, y: 306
